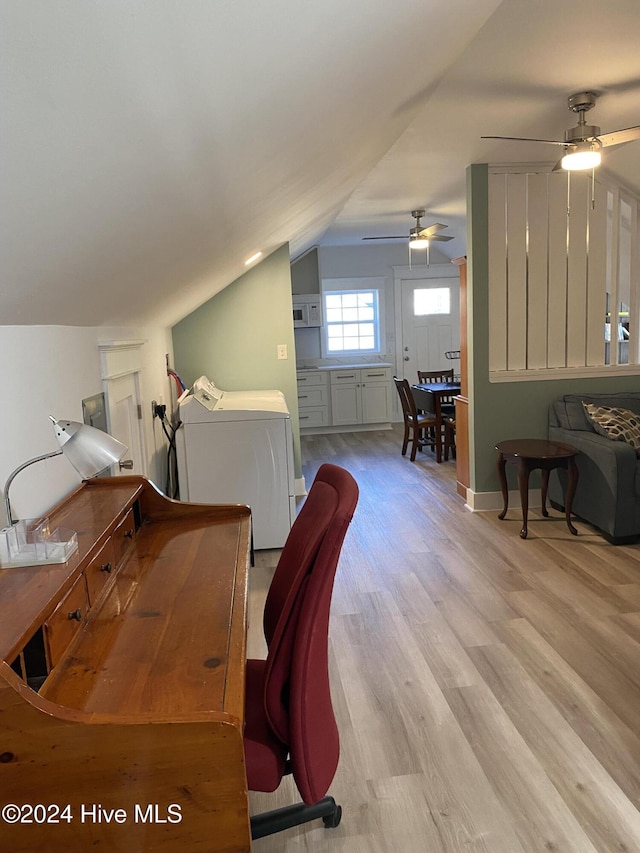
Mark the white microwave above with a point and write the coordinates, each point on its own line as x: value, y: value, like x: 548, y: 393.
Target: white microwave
x: 307, y: 311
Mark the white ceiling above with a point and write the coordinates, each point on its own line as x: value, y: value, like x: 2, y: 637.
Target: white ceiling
x: 149, y: 146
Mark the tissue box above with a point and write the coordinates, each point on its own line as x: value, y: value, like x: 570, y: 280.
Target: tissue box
x: 31, y: 542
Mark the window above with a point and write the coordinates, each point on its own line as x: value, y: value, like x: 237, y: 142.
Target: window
x: 431, y: 300
x: 352, y: 321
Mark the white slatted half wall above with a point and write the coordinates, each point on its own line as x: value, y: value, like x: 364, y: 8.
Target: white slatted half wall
x: 562, y: 251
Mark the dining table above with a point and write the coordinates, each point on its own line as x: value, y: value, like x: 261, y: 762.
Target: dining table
x: 428, y: 397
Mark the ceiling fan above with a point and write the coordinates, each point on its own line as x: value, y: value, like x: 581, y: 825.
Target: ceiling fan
x: 583, y: 142
x: 419, y: 237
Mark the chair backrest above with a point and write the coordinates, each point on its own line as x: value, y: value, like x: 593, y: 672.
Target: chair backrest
x: 409, y: 410
x: 435, y: 376
x: 296, y: 622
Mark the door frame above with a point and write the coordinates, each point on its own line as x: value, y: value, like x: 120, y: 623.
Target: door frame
x: 414, y: 273
x: 124, y: 358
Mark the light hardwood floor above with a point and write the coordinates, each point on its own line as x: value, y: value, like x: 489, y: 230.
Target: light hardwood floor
x: 487, y: 689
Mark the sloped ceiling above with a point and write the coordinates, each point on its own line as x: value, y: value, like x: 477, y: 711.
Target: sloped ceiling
x: 150, y: 146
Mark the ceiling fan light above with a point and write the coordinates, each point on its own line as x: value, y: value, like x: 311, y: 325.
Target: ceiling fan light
x: 418, y: 243
x: 583, y: 158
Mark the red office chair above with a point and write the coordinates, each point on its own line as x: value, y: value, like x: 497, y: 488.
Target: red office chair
x: 289, y: 721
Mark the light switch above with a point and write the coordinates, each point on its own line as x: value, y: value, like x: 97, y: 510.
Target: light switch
x: 282, y: 351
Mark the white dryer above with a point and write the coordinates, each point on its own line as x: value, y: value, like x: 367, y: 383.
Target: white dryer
x: 237, y: 447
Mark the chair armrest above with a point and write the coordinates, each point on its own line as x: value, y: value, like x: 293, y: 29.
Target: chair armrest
x: 606, y: 493
x: 615, y: 459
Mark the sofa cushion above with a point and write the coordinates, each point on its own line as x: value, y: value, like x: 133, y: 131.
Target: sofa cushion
x: 568, y: 412
x: 615, y: 423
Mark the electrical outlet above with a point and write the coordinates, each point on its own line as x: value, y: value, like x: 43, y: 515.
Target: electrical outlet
x: 282, y: 351
x: 153, y: 409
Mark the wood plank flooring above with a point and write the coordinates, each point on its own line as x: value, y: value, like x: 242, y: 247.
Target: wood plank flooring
x: 487, y: 688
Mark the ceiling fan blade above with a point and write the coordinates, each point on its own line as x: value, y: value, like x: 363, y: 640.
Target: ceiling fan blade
x: 618, y: 137
x: 439, y: 237
x: 525, y: 139
x: 389, y: 237
x: 428, y: 232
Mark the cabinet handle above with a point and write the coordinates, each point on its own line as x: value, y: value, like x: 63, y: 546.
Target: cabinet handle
x: 303, y: 418
x: 76, y: 614
x: 303, y: 396
x: 128, y: 534
x: 370, y: 375
x: 302, y: 379
x: 106, y: 568
x: 348, y: 376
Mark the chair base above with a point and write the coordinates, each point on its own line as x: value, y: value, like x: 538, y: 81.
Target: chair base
x: 277, y: 820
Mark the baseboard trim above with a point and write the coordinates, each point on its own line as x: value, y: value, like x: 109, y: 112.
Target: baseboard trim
x: 493, y: 501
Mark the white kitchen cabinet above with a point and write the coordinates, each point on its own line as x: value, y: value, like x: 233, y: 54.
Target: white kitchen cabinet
x: 313, y: 399
x: 360, y: 396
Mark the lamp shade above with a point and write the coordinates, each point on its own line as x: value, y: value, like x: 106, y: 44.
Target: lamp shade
x: 418, y: 243
x: 584, y: 156
x: 88, y: 449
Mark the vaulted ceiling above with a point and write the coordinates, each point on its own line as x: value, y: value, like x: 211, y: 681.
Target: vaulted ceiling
x: 149, y: 147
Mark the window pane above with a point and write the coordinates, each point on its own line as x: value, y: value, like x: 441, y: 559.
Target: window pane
x: 431, y: 300
x: 351, y: 321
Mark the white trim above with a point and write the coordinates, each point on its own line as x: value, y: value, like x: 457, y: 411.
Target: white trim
x: 119, y: 358
x: 375, y: 284
x: 493, y: 501
x: 300, y: 488
x: 608, y: 370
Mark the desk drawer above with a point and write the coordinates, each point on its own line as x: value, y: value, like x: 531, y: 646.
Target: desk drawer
x: 123, y: 537
x: 99, y: 571
x: 66, y: 620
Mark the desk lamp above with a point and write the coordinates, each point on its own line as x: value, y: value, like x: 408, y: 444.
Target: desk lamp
x: 88, y: 449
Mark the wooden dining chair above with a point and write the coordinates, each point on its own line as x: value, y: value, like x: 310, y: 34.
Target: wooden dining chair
x: 417, y: 426
x: 446, y: 403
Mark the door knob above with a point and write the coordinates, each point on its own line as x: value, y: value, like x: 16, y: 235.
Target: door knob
x: 126, y: 463
x: 406, y: 358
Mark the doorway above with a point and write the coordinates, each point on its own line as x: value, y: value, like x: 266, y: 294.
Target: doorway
x: 122, y: 387
x: 427, y: 319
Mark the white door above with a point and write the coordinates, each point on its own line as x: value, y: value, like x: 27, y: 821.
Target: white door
x: 123, y: 406
x: 430, y: 311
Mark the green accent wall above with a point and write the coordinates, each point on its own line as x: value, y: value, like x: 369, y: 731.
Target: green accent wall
x: 233, y: 338
x: 499, y: 411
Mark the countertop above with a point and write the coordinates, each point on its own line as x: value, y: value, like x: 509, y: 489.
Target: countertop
x: 365, y: 366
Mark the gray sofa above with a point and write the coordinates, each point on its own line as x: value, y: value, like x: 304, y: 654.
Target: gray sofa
x: 608, y: 493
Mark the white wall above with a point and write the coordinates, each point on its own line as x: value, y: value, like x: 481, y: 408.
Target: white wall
x: 48, y: 370
x: 367, y: 261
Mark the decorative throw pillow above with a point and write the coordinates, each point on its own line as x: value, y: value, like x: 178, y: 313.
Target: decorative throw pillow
x: 616, y: 424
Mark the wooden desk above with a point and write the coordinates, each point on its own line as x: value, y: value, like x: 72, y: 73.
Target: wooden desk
x: 140, y: 644
x: 529, y: 454
x: 428, y: 396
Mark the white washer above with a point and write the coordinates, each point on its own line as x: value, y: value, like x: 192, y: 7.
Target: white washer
x: 237, y: 447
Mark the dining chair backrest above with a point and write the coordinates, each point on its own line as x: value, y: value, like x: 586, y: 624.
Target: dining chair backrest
x: 409, y: 410
x: 426, y: 376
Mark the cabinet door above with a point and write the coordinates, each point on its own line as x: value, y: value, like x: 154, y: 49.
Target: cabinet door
x: 376, y: 402
x: 346, y: 404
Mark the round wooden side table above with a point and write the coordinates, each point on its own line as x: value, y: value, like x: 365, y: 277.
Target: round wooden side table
x: 529, y: 454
